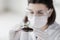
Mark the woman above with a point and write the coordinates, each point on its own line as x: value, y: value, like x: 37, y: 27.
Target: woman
x: 42, y: 15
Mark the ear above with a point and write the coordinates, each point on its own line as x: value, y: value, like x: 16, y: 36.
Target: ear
x: 50, y: 12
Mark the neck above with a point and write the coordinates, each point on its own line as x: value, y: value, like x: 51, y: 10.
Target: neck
x: 44, y: 27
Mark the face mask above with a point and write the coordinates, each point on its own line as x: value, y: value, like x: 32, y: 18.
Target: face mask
x: 38, y: 21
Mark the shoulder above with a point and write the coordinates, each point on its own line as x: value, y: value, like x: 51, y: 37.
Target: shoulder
x: 57, y: 37
x: 55, y: 28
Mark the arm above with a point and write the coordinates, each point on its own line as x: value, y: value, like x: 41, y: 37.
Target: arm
x: 15, y: 34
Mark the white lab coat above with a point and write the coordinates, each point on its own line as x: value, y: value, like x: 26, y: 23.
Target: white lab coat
x: 53, y: 32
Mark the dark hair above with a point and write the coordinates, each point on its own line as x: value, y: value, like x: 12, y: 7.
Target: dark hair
x: 49, y: 4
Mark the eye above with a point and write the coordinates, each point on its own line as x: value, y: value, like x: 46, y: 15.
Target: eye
x: 32, y: 12
x: 39, y: 12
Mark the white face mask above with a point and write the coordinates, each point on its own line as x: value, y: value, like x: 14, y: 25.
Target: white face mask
x: 38, y: 21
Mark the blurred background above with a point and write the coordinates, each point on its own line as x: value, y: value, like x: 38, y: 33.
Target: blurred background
x: 12, y: 12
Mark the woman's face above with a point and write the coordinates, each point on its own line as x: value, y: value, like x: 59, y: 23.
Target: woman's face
x: 38, y: 14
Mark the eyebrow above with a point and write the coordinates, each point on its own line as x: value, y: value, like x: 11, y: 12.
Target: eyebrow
x: 40, y: 10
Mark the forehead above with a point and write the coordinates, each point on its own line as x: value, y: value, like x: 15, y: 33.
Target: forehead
x: 37, y: 6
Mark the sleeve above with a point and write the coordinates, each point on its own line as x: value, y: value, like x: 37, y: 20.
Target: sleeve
x: 14, y: 33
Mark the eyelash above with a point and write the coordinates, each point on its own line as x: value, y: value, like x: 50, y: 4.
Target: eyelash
x: 40, y: 12
x: 37, y: 12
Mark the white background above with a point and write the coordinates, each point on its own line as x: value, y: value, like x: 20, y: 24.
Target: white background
x: 10, y: 19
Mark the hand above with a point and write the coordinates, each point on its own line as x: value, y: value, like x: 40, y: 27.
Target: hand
x: 40, y: 35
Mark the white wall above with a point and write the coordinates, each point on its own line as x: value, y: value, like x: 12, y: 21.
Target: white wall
x: 1, y: 5
x: 57, y: 8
